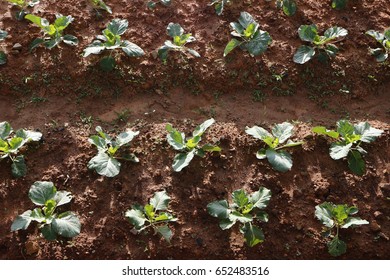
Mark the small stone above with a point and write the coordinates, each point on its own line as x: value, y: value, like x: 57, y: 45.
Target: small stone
x: 377, y: 214
x: 17, y: 47
x: 375, y: 227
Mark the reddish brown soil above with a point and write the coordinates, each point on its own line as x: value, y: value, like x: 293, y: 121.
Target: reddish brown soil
x: 65, y: 96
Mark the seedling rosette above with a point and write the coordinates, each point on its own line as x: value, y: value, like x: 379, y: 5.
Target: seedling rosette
x: 106, y: 162
x: 152, y: 4
x: 3, y: 57
x: 53, y: 32
x: 278, y: 158
x: 50, y: 223
x: 337, y: 216
x: 179, y: 40
x: 111, y: 40
x: 249, y: 36
x: 381, y: 54
x: 153, y: 215
x: 324, y: 44
x: 349, y: 138
x: 189, y: 147
x: 99, y: 4
x: 13, y: 143
x: 245, y: 209
x: 23, y: 5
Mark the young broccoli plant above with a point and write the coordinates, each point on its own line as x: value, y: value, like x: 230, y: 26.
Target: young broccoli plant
x: 289, y: 7
x: 150, y: 216
x: 51, y: 223
x: 23, y: 5
x: 324, y: 44
x: 189, y: 147
x: 250, y: 37
x: 337, y: 216
x: 178, y: 43
x: 53, y: 32
x: 3, y: 57
x: 348, y: 138
x: 100, y: 5
x: 220, y: 5
x: 152, y: 4
x: 111, y: 40
x: 245, y: 209
x: 12, y: 144
x: 381, y: 54
x: 106, y: 162
x: 279, y: 159
x: 339, y: 4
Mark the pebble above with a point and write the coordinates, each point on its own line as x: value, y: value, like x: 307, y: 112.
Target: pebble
x: 17, y: 47
x: 375, y: 227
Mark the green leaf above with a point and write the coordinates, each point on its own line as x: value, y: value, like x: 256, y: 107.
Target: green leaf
x: 36, y: 43
x: 368, y: 133
x: 48, y: 232
x: 226, y: 224
x: 165, y: 232
x: 283, y: 131
x: 219, y: 209
x: 102, y: 5
x: 261, y: 154
x: 160, y: 200
x: 304, y: 54
x: 126, y: 137
x: 164, y: 217
x: 193, y: 142
x: 289, y: 7
x: 240, y: 198
x: 253, y: 235
x: 321, y: 130
x: 250, y: 30
x: 182, y: 160
x: 28, y: 135
x: 335, y: 32
x: 174, y: 29
x: 99, y: 142
x: 175, y: 138
x: 136, y: 217
x: 260, y: 198
x: 324, y: 214
x: 339, y: 4
x: 262, y: 216
x: 233, y: 43
x: 258, y: 132
x: 118, y: 26
x: 308, y: 33
x: 245, y: 19
x: 354, y: 222
x: 37, y: 215
x: 339, y: 150
x: 356, y: 163
x: 337, y: 247
x: 242, y: 218
x: 42, y: 191
x: 331, y: 50
x: 148, y: 209
x: 280, y: 160
x: 41, y: 22
x: 200, y: 129
x: 62, y: 22
x: 3, y: 58
x: 210, y: 148
x: 379, y: 37
x: 345, y: 128
x: 259, y: 43
x: 105, y: 165
x: 95, y: 48
x: 18, y: 167
x: 15, y: 143
x: 339, y: 212
x: 22, y: 221
x: 107, y: 63
x: 67, y: 225
x: 5, y: 130
x: 70, y: 40
x: 131, y: 49
x: 52, y: 43
x: 62, y: 197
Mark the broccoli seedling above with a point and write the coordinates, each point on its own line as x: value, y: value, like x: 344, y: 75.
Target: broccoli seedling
x: 250, y: 37
x: 220, y: 5
x: 189, y: 147
x: 106, y: 162
x: 3, y: 56
x: 280, y: 160
x: 99, y: 4
x: 178, y: 43
x: 337, y: 216
x: 245, y: 209
x: 53, y: 32
x: 12, y: 144
x: 22, y: 5
x: 111, y: 40
x: 381, y: 54
x: 150, y: 216
x: 51, y: 224
x: 152, y: 4
x: 339, y: 4
x: 324, y: 44
x: 289, y: 7
x: 349, y: 138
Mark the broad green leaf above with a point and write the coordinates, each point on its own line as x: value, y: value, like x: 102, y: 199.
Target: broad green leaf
x: 3, y: 58
x: 200, y: 129
x: 337, y: 247
x: 18, y: 167
x: 376, y: 35
x: 67, y: 225
x: 351, y: 221
x: 163, y: 52
x: 4, y: 147
x: 356, y: 163
x: 42, y: 191
x: 22, y: 221
x: 62, y: 22
x: 259, y: 43
x: 308, y: 33
x: 331, y: 50
x: 70, y: 40
x: 240, y: 198
x: 304, y: 54
x: 323, y: 131
x: 99, y: 142
x: 182, y: 39
x: 280, y: 160
x: 105, y: 165
x: 15, y: 143
x: 210, y: 148
x: 5, y: 130
x: 118, y: 26
x: 245, y: 19
x: 52, y: 43
x: 62, y: 197
x: 131, y: 49
x: 345, y: 128
x: 36, y: 43
x: 283, y: 131
x: 193, y: 142
x: 28, y: 135
x: 174, y: 29
x: 233, y: 43
x: 335, y: 32
x: 242, y: 218
x: 289, y: 7
x: 41, y: 22
x: 291, y: 143
x: 323, y: 212
x: 262, y: 216
x: 368, y: 133
x: 261, y: 154
x: 37, y: 215
x: 160, y: 200
x: 175, y: 138
x: 252, y: 234
x: 48, y: 232
x: 387, y: 34
x: 193, y: 52
x: 261, y: 198
x: 107, y: 63
x: 226, y: 224
x: 50, y: 207
x: 339, y: 150
x: 258, y: 132
x: 251, y: 30
x: 339, y: 4
x: 352, y: 210
x: 219, y: 209
x: 238, y: 29
x: 95, y: 48
x: 165, y: 217
x: 165, y: 232
x: 182, y: 160
x: 136, y: 217
x: 339, y: 212
x: 3, y: 34
x: 126, y: 137
x: 148, y: 209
